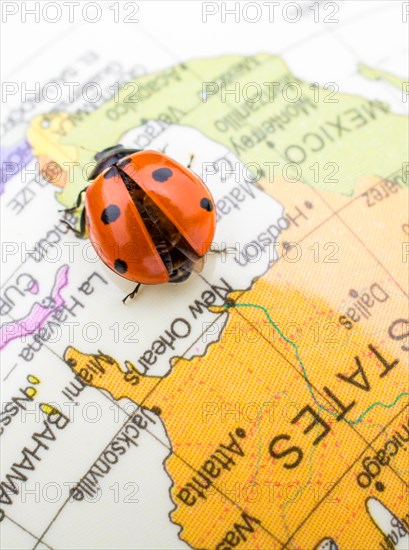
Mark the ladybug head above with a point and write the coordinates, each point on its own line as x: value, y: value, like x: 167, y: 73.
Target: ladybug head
x: 109, y: 157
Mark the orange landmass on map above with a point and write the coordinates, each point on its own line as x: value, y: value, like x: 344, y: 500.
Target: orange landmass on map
x: 223, y: 411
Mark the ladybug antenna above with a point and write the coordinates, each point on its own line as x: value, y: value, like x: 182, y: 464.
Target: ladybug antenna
x: 89, y: 150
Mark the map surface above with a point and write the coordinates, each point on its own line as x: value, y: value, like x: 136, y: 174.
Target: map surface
x: 262, y: 404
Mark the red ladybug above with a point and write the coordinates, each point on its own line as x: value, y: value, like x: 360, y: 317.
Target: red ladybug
x: 150, y: 219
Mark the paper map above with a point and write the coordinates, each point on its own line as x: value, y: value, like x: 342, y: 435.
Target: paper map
x: 263, y: 403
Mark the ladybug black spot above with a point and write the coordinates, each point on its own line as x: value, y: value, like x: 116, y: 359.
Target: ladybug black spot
x: 110, y: 214
x: 162, y: 174
x: 120, y: 266
x: 206, y: 204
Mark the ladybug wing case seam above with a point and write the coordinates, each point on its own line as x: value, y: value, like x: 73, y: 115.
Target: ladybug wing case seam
x: 178, y: 193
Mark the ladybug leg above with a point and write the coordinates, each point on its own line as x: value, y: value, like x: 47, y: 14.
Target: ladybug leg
x: 82, y: 231
x: 82, y: 223
x: 224, y: 250
x: 192, y: 156
x: 132, y: 294
x: 78, y: 203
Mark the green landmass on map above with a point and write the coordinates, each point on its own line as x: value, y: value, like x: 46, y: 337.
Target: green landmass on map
x: 378, y: 74
x: 256, y: 107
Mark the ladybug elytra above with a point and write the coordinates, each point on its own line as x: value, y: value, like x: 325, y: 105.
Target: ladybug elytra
x: 150, y: 219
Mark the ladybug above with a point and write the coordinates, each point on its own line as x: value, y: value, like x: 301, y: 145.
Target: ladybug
x: 150, y: 219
